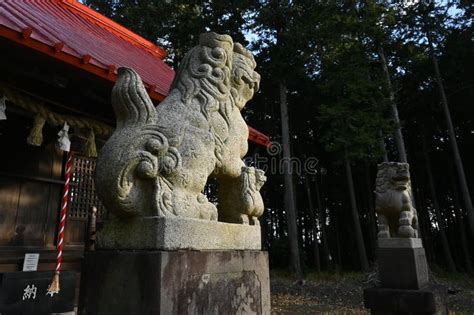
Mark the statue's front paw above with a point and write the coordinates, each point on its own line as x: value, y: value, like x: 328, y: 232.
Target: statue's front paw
x: 244, y: 219
x: 260, y: 178
x: 406, y: 231
x: 207, y: 210
x: 251, y: 181
x: 404, y: 221
x: 383, y: 234
x: 255, y: 221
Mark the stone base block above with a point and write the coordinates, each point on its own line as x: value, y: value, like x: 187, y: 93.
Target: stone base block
x: 431, y: 300
x: 164, y: 233
x: 402, y: 268
x: 399, y: 242
x: 175, y: 282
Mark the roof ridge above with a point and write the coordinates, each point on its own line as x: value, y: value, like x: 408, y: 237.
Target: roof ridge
x: 113, y: 27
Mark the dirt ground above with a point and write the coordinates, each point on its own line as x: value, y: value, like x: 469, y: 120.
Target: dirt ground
x: 342, y: 293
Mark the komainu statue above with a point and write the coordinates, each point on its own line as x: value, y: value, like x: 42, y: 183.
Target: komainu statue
x: 393, y: 201
x: 158, y: 160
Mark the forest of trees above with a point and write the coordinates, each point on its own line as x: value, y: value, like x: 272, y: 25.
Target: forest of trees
x: 351, y: 83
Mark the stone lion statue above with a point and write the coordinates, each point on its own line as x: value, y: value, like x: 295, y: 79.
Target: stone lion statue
x: 393, y: 201
x: 158, y: 160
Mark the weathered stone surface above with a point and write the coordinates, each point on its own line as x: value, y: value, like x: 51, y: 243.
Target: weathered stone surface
x: 170, y: 233
x: 393, y: 201
x: 431, y: 300
x: 402, y: 268
x: 399, y: 242
x: 175, y: 282
x: 158, y: 160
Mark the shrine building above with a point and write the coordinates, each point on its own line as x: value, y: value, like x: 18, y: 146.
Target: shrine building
x: 58, y: 64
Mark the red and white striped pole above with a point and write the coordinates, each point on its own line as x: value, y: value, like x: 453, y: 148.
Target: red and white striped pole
x: 54, y: 287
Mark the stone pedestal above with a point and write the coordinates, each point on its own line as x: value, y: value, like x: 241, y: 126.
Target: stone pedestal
x: 172, y: 233
x: 404, y: 281
x: 402, y: 263
x: 175, y: 282
x: 430, y: 300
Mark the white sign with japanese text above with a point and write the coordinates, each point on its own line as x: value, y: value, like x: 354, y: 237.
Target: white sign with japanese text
x: 31, y: 262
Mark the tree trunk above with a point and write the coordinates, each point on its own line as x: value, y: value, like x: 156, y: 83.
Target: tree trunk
x: 371, y: 211
x: 434, y: 199
x: 322, y: 218
x: 364, y: 264
x: 402, y: 155
x: 317, y: 261
x: 290, y: 207
x: 424, y: 224
x: 453, y: 142
x: 383, y: 147
x: 271, y: 219
x: 264, y: 231
x: 461, y: 227
x: 338, y: 240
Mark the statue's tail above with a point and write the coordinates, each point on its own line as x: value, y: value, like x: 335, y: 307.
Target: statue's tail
x: 130, y: 101
x: 132, y: 160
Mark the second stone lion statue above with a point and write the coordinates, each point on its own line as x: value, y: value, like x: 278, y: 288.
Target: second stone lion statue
x: 158, y: 160
x: 393, y: 201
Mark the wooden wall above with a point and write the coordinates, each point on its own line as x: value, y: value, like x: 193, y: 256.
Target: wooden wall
x: 31, y: 184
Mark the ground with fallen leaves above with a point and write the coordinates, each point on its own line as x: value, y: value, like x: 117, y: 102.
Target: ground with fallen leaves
x: 341, y: 293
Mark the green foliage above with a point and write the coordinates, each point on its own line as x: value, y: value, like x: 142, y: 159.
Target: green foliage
x: 353, y: 115
x: 176, y: 24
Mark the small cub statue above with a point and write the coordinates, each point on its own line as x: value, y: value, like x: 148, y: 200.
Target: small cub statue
x: 393, y: 201
x: 158, y: 160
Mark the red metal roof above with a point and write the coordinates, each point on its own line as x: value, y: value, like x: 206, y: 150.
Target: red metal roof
x: 75, y: 34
